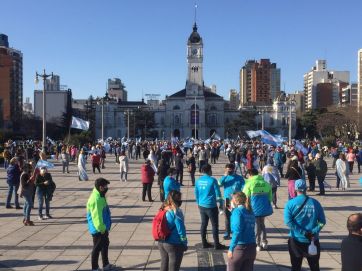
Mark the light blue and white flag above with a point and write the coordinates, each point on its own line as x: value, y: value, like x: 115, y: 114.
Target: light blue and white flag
x: 299, y: 146
x: 174, y: 140
x: 51, y: 140
x: 78, y: 123
x: 253, y: 134
x: 43, y: 163
x: 270, y: 139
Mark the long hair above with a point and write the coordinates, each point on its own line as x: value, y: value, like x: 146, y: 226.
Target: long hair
x: 241, y: 199
x: 170, y: 200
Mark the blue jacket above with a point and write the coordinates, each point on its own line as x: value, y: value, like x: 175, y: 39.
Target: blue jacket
x: 13, y: 175
x: 207, y: 192
x: 176, y: 223
x: 278, y: 161
x: 310, y: 219
x: 359, y: 156
x: 170, y: 184
x: 260, y: 194
x: 231, y: 183
x: 242, y: 227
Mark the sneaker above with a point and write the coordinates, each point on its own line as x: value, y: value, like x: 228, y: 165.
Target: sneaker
x: 275, y: 206
x: 48, y: 216
x: 206, y: 245
x: 18, y: 207
x: 264, y: 244
x: 9, y: 207
x: 220, y: 247
x: 258, y: 248
x: 41, y: 218
x: 109, y: 267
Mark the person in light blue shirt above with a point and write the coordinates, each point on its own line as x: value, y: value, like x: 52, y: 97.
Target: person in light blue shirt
x: 207, y: 194
x: 170, y: 183
x: 232, y: 183
x: 242, y: 249
x: 172, y: 249
x: 305, y: 218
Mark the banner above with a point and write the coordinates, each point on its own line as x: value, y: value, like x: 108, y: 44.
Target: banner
x: 299, y: 146
x: 43, y: 163
x: 78, y: 123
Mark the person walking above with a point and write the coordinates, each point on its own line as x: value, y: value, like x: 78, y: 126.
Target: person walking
x: 305, y: 218
x: 242, y: 249
x: 82, y: 171
x: 99, y: 223
x: 359, y: 159
x: 207, y: 194
x: 259, y: 193
x: 271, y: 175
x: 26, y: 191
x: 147, y: 177
x: 351, y: 156
x: 45, y: 187
x: 294, y: 172
x: 232, y: 183
x: 352, y: 245
x: 13, y: 180
x: 173, y: 247
x: 123, y: 166
x: 191, y: 167
x: 170, y: 183
x: 321, y: 172
x: 96, y: 160
x: 342, y: 172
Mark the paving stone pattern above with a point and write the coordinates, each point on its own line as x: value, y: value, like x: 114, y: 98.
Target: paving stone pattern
x: 63, y: 243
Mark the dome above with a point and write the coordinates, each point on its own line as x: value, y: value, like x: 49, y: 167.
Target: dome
x: 195, y: 37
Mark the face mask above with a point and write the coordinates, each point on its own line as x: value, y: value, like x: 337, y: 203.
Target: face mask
x: 178, y: 203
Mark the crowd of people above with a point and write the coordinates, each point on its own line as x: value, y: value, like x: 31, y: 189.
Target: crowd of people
x: 250, y: 183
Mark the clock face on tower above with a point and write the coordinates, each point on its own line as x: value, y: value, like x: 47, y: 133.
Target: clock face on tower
x: 194, y: 51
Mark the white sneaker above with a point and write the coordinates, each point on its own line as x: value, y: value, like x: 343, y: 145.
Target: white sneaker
x: 40, y: 218
x: 258, y: 248
x: 264, y: 245
x: 109, y: 267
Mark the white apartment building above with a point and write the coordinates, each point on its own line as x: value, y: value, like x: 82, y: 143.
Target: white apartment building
x: 320, y: 74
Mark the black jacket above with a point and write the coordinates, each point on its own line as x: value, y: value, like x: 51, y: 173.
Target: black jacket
x: 351, y: 251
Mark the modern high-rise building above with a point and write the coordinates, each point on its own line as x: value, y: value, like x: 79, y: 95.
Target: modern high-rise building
x: 359, y: 78
x: 11, y: 84
x: 323, y: 87
x: 234, y: 99
x: 350, y: 95
x: 116, y: 89
x: 259, y: 82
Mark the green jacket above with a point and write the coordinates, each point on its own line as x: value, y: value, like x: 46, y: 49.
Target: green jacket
x: 98, y: 213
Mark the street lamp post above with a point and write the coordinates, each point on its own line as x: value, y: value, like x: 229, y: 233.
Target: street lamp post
x: 290, y: 121
x: 44, y: 76
x: 128, y: 124
x: 102, y: 110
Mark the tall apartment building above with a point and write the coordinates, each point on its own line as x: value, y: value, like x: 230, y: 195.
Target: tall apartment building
x: 323, y: 87
x: 11, y: 84
x: 234, y: 99
x: 350, y: 95
x: 116, y: 89
x: 259, y: 82
x: 359, y: 78
x: 298, y: 97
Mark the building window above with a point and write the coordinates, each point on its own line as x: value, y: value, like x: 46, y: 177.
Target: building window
x: 176, y: 107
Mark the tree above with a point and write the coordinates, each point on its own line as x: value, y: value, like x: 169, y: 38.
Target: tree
x: 238, y: 127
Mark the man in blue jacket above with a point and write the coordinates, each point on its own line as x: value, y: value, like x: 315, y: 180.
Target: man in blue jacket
x: 170, y: 182
x: 232, y: 183
x: 305, y: 218
x: 207, y: 194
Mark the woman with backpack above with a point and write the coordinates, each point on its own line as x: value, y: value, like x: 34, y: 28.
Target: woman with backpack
x: 172, y: 248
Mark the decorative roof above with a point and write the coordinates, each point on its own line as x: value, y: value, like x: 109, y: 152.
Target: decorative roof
x: 182, y: 94
x: 195, y: 36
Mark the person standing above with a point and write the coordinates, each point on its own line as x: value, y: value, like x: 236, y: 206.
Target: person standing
x: 359, y: 159
x: 242, y: 249
x: 44, y: 189
x: 173, y: 247
x: 271, y: 176
x: 162, y: 170
x: 123, y: 166
x: 305, y: 218
x: 96, y: 161
x: 13, y: 180
x: 64, y: 156
x: 147, y: 177
x: 202, y: 157
x: 278, y: 160
x: 179, y: 165
x: 259, y: 193
x: 26, y: 191
x: 170, y: 183
x: 294, y: 172
x: 232, y: 183
x: 351, y: 156
x: 82, y: 171
x: 99, y: 223
x: 352, y: 245
x: 311, y: 172
x: 191, y: 167
x: 103, y: 156
x: 342, y: 172
x: 207, y: 194
x: 321, y: 172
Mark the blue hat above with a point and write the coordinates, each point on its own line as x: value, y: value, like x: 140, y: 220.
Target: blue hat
x: 300, y: 185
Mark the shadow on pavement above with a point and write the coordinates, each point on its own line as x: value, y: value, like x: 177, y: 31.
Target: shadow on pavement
x: 27, y: 263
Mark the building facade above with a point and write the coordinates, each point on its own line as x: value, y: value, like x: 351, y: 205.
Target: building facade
x: 298, y: 97
x: 359, y: 78
x: 11, y: 84
x: 350, y: 95
x: 330, y: 83
x: 259, y: 82
x: 116, y: 89
x: 234, y: 99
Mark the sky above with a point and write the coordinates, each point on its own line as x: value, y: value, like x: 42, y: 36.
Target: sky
x: 143, y: 42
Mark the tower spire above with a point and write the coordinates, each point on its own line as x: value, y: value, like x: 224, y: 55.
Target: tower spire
x: 195, y: 15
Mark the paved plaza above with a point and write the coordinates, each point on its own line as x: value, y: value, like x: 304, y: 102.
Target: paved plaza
x: 63, y: 243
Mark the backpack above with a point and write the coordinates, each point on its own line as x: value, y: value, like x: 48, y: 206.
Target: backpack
x: 160, y: 230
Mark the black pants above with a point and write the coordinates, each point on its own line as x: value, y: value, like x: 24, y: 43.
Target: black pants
x: 100, y: 244
x: 179, y: 175
x: 321, y: 184
x: 311, y: 179
x: 274, y: 195
x: 227, y: 216
x: 243, y: 258
x: 201, y: 164
x: 213, y: 215
x: 96, y: 167
x: 359, y: 166
x: 351, y: 166
x: 147, y: 187
x: 171, y: 256
x: 162, y: 191
x: 192, y: 176
x: 299, y: 250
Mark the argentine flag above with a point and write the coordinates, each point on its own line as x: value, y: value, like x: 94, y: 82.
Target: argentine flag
x: 78, y: 123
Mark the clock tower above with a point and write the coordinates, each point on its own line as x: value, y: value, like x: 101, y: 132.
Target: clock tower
x: 195, y: 81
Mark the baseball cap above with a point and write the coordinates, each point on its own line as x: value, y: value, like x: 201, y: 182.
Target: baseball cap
x: 300, y: 185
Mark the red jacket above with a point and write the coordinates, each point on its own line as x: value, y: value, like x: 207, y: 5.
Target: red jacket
x: 96, y: 159
x: 147, y: 174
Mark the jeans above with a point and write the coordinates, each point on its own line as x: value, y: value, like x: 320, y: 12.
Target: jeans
x: 179, y: 175
x: 299, y: 250
x: 359, y: 166
x: 147, y: 187
x: 243, y: 258
x: 171, y: 256
x: 96, y: 167
x: 280, y: 168
x: 227, y: 214
x: 41, y: 197
x: 123, y: 174
x: 12, y: 189
x: 260, y: 230
x: 238, y: 167
x: 28, y: 204
x: 6, y: 163
x: 213, y: 215
x: 321, y: 184
x: 274, y: 195
x: 65, y: 166
x: 100, y: 245
x: 201, y: 164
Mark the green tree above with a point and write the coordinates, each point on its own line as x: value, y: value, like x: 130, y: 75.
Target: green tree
x: 238, y: 127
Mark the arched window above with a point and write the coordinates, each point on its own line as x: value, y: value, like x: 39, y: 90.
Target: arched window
x: 213, y: 108
x: 176, y: 107
x: 193, y: 107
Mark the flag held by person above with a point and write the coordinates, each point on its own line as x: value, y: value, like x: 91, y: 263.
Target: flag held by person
x: 78, y: 123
